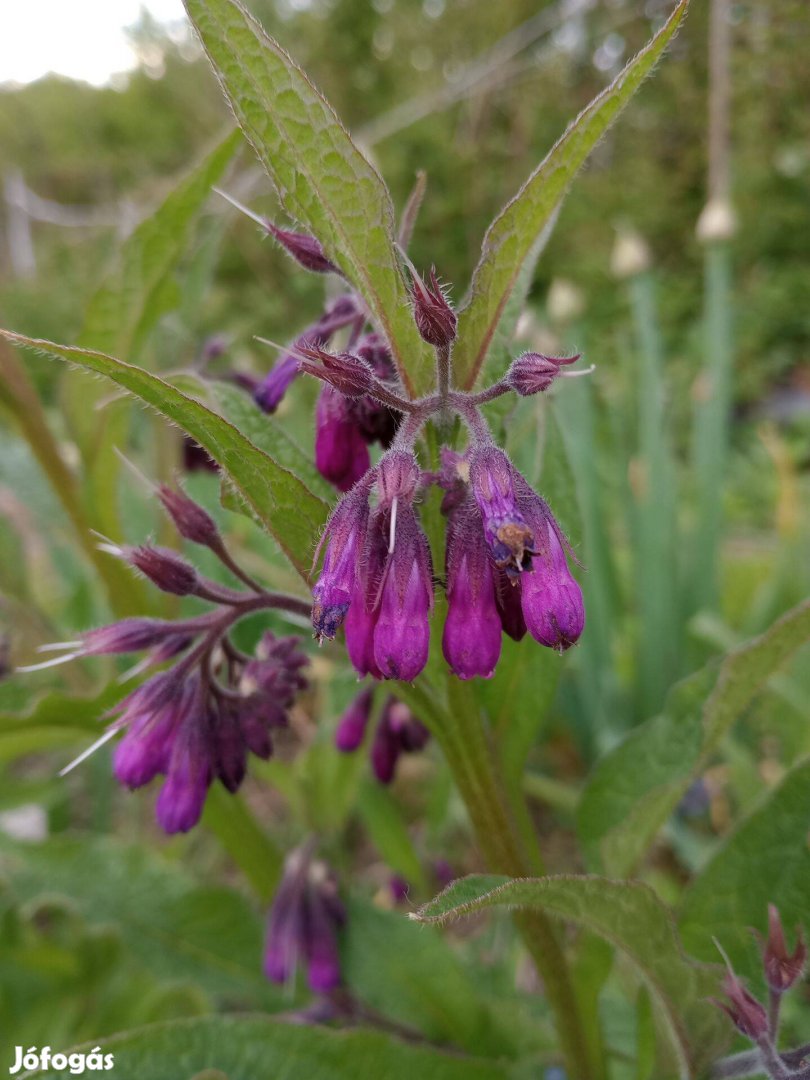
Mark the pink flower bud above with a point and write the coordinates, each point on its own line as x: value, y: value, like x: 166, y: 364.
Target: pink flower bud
x: 306, y: 250
x: 533, y: 373
x: 435, y: 319
x: 164, y: 568
x: 191, y: 520
x: 348, y: 374
x: 745, y: 1012
x: 782, y: 969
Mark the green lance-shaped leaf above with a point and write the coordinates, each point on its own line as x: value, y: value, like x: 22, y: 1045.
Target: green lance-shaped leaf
x: 130, y: 301
x: 244, y: 1048
x: 263, y: 430
x: 630, y: 917
x: 323, y: 181
x: 765, y: 861
x: 514, y: 239
x: 635, y: 787
x: 277, y: 498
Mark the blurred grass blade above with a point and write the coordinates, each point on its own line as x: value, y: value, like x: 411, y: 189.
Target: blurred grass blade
x: 135, y: 294
x: 630, y: 917
x: 19, y: 396
x: 513, y: 239
x: 711, y: 426
x: 131, y: 299
x: 574, y: 426
x: 323, y: 181
x: 635, y: 788
x: 247, y: 843
x: 654, y: 497
x: 277, y: 498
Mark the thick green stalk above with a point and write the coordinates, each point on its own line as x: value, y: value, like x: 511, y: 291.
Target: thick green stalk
x: 711, y: 431
x: 654, y: 499
x: 504, y: 845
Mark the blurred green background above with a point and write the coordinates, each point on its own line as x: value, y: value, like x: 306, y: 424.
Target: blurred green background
x: 680, y: 469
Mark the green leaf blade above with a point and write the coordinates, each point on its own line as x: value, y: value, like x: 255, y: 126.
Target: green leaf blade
x: 515, y: 238
x: 765, y: 860
x: 631, y: 918
x: 635, y: 787
x: 323, y: 181
x: 244, y: 1048
x: 280, y: 500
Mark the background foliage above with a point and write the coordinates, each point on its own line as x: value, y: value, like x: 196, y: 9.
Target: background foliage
x: 671, y: 747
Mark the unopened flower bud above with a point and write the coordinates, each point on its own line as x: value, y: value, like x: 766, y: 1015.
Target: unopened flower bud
x: 782, y: 969
x: 533, y: 373
x: 352, y: 726
x: 191, y: 520
x: 164, y: 568
x: 348, y: 374
x: 745, y: 1012
x: 306, y: 250
x: 435, y: 319
x: 127, y: 636
x: 341, y: 453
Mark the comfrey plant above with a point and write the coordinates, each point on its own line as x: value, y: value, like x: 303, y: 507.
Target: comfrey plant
x: 438, y: 567
x: 197, y: 720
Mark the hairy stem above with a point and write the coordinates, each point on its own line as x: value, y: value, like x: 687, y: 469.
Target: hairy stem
x: 506, y: 849
x: 774, y: 1006
x: 443, y: 381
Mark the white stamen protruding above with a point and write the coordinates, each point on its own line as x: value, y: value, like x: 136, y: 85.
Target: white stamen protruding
x: 53, y: 662
x: 392, y: 533
x: 85, y: 754
x: 241, y: 207
x: 111, y: 549
x: 285, y: 349
x: 136, y: 669
x: 148, y: 484
x: 58, y: 646
x: 582, y: 371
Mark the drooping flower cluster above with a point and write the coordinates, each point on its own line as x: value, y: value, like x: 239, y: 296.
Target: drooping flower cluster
x: 196, y: 721
x: 397, y: 732
x: 505, y: 565
x: 303, y: 924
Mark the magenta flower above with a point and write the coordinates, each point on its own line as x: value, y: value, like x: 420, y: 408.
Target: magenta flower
x: 345, y: 538
x: 351, y: 729
x: 472, y: 630
x: 508, y: 535
x: 551, y: 598
x: 303, y: 924
x: 341, y: 453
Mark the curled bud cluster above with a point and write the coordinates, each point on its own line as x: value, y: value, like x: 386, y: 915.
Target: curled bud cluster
x: 397, y: 732
x: 196, y: 721
x: 303, y: 924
